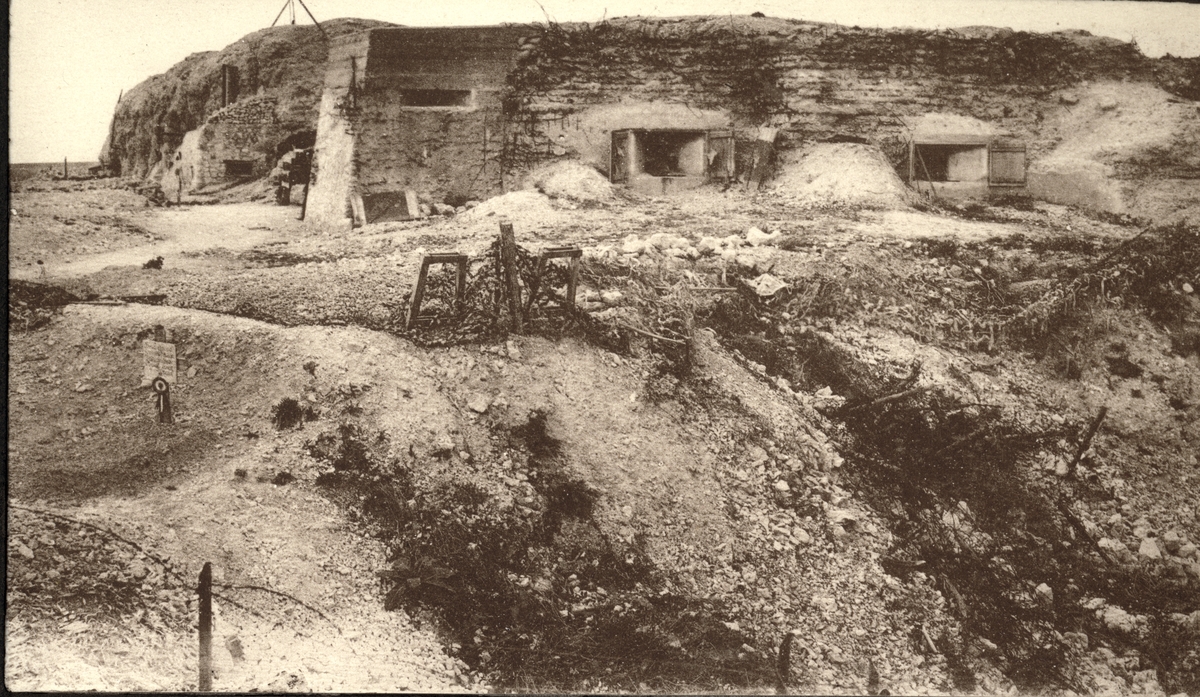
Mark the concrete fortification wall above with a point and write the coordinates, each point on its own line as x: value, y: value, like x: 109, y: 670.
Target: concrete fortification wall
x: 333, y: 170
x: 426, y: 114
x: 466, y: 112
x: 814, y: 81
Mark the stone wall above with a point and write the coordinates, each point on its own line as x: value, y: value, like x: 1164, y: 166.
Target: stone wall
x: 244, y: 131
x: 559, y: 91
x: 815, y: 82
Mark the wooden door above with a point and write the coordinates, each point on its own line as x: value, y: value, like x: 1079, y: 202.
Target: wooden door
x: 620, y: 163
x: 1006, y: 165
x: 720, y: 156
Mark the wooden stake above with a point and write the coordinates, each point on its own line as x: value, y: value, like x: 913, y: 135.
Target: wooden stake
x: 64, y: 168
x: 783, y: 664
x: 1087, y: 440
x: 508, y: 261
x: 205, y: 592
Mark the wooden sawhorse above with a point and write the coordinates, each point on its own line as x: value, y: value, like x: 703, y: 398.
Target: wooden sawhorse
x: 572, y: 255
x: 418, y: 294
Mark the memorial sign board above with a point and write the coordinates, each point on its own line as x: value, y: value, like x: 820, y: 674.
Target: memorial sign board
x: 159, y: 361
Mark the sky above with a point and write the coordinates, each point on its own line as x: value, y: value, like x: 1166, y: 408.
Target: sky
x: 70, y: 59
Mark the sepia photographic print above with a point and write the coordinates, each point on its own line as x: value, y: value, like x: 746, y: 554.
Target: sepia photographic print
x: 543, y: 346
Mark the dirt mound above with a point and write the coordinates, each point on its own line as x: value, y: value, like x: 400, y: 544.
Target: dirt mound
x: 571, y: 180
x: 840, y: 174
x: 516, y: 206
x: 286, y: 62
x: 1123, y: 148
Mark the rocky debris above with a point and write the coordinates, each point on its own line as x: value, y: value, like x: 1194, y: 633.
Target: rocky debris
x: 612, y: 297
x: 514, y: 206
x: 1171, y: 542
x: 479, y: 402
x: 62, y: 571
x: 750, y: 251
x: 1118, y: 619
x: 758, y: 238
x: 571, y: 180
x: 1149, y: 549
x: 767, y: 285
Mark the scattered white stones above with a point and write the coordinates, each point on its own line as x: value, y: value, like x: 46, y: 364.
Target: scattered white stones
x: 612, y: 297
x: 479, y: 402
x: 728, y: 247
x: 825, y: 603
x: 1118, y: 619
x: 757, y: 237
x: 633, y: 244
x: 1045, y: 594
x: 842, y: 517
x: 710, y: 245
x: 1149, y: 549
x: 767, y: 285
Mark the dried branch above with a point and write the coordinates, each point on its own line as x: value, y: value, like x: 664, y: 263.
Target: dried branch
x: 281, y: 594
x: 889, y: 398
x: 652, y: 335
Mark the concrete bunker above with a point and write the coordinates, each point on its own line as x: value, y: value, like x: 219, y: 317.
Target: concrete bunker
x: 237, y: 142
x: 665, y: 160
x: 958, y: 156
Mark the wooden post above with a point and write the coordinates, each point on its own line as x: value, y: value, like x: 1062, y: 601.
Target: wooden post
x: 414, y: 302
x: 358, y: 211
x: 64, y: 168
x: 162, y: 400
x: 460, y: 285
x: 535, y: 285
x: 205, y: 592
x: 572, y: 280
x: 508, y: 261
x: 1087, y: 440
x: 308, y: 183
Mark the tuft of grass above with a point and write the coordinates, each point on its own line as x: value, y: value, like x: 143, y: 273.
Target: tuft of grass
x: 288, y: 414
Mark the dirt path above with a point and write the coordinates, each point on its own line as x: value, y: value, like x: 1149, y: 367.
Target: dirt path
x: 184, y: 234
